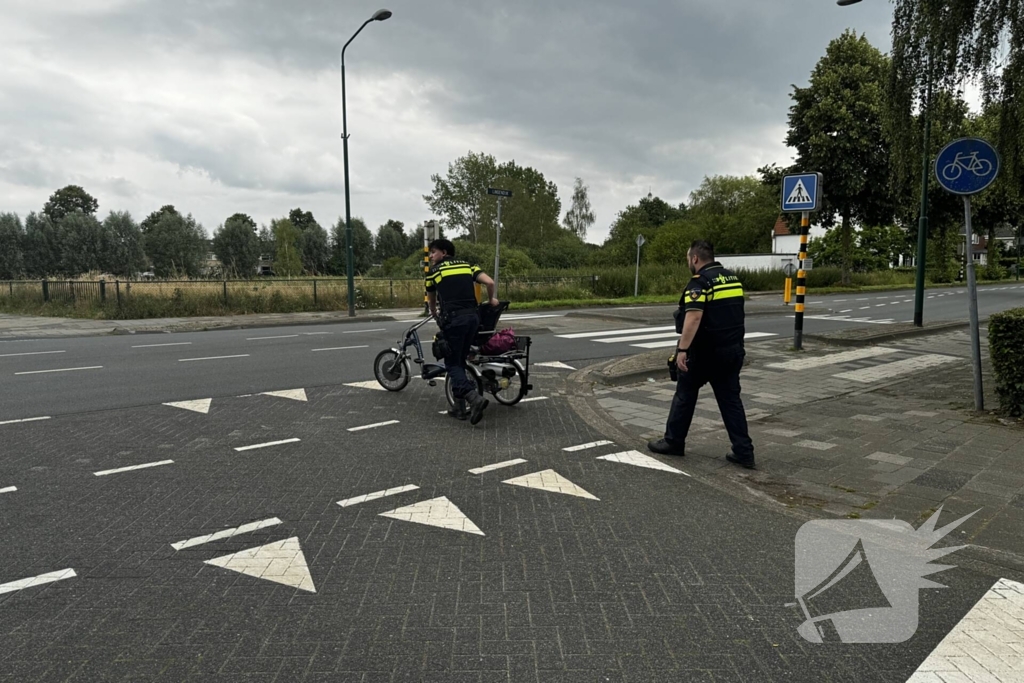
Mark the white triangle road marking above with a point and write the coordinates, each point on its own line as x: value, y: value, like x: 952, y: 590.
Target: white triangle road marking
x: 372, y: 384
x: 640, y: 460
x: 439, y: 512
x: 201, y: 405
x: 293, y: 394
x: 281, y: 562
x: 555, y: 364
x: 549, y: 480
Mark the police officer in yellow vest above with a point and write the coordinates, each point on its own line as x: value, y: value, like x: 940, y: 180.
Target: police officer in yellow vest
x: 453, y: 282
x: 710, y: 351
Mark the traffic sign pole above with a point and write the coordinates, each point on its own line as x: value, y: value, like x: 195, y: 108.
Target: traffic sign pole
x: 972, y: 297
x: 497, y: 250
x: 636, y: 283
x: 801, y: 283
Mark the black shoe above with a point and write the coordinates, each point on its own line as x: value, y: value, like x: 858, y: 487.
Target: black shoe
x: 458, y: 414
x: 663, y: 447
x: 476, y: 407
x: 748, y: 463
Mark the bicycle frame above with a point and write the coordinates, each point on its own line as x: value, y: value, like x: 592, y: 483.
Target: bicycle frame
x: 411, y: 337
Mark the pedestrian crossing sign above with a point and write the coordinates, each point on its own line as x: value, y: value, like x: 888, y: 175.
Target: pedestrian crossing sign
x: 801, y: 192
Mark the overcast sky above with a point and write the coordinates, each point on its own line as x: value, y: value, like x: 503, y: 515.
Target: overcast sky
x: 224, y: 106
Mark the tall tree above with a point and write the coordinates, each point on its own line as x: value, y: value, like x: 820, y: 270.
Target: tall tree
x: 12, y: 235
x: 124, y: 255
x: 67, y: 200
x: 41, y: 250
x: 302, y: 220
x: 237, y: 246
x: 314, y: 243
x: 836, y: 125
x: 175, y: 244
x: 944, y: 43
x: 390, y: 242
x: 643, y: 218
x: 457, y: 195
x: 580, y: 215
x: 82, y: 244
x: 735, y: 213
x: 287, y: 250
x: 362, y: 247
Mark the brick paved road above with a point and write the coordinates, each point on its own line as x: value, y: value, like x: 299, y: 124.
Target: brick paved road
x: 660, y: 578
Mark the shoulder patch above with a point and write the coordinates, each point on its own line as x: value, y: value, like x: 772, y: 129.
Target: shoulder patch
x: 695, y: 294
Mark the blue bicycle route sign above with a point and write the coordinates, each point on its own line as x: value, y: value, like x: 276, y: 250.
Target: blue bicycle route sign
x: 966, y: 166
x: 801, y: 192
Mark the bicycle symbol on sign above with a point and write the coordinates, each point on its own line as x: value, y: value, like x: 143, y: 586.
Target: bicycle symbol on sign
x: 967, y: 162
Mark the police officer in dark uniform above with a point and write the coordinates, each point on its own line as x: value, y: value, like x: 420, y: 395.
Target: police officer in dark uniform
x: 710, y: 351
x: 453, y: 282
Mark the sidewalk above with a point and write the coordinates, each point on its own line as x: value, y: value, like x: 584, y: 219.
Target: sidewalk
x: 877, y: 432
x: 23, y: 326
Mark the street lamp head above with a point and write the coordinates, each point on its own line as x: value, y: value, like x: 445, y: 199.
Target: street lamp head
x: 846, y: 3
x: 381, y: 15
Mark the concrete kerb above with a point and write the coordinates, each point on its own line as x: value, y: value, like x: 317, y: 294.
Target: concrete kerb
x: 868, y: 337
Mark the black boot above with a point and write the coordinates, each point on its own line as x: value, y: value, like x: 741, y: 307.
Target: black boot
x: 460, y: 411
x: 663, y: 447
x: 477, y: 403
x: 747, y: 462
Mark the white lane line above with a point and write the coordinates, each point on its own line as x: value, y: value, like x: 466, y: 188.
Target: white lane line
x: 839, y: 301
x: 226, y: 533
x: 373, y: 426
x: 846, y: 311
x: 9, y: 489
x: 984, y: 645
x: 535, y: 398
x: 27, y: 419
x: 29, y: 353
x: 675, y: 340
x: 885, y: 371
x: 497, y: 466
x: 377, y: 494
x: 41, y: 372
x: 832, y: 358
x: 153, y: 346
x: 376, y: 329
x: 147, y: 465
x: 22, y: 584
x: 189, y: 360
x: 877, y: 305
x: 639, y: 337
x: 585, y: 446
x: 280, y: 336
x: 863, y: 308
x: 532, y: 317
x: 315, y: 334
x: 863, y: 299
x: 266, y: 445
x: 555, y: 364
x: 608, y: 333
x: 340, y: 348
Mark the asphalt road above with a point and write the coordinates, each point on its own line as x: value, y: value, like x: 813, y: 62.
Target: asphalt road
x: 50, y: 377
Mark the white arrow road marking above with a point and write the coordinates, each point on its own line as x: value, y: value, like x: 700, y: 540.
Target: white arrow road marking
x: 226, y: 533
x: 199, y: 405
x: 372, y: 384
x: 281, y: 562
x: 22, y: 584
x: 439, y: 512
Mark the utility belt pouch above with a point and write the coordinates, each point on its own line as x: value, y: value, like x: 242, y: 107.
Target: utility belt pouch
x: 678, y: 316
x: 673, y: 371
x: 440, y: 348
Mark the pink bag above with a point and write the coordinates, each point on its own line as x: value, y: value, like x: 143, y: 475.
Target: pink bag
x: 500, y: 342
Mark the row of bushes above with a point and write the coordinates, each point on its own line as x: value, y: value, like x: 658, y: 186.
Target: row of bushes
x: 1006, y: 348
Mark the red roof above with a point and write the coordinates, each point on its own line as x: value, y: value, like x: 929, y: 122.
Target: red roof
x: 781, y: 226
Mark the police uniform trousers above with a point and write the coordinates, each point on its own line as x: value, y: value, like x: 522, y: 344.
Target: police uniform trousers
x: 460, y: 333
x: 721, y: 369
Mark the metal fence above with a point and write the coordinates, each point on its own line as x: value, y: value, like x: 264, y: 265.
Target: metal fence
x: 145, y: 298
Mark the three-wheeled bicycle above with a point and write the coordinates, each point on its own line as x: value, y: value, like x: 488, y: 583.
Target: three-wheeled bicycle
x: 506, y: 375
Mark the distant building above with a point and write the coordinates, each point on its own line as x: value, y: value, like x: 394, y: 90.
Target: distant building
x: 1004, y: 234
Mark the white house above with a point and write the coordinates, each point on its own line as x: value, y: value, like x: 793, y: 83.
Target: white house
x: 785, y: 250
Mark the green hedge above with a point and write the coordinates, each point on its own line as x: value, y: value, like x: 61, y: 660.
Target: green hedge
x: 1006, y: 347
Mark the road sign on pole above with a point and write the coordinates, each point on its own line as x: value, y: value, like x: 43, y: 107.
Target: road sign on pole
x: 636, y: 283
x: 965, y: 167
x: 801, y: 192
x: 500, y: 194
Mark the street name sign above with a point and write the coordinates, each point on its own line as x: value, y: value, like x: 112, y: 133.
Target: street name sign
x: 801, y: 192
x: 499, y: 193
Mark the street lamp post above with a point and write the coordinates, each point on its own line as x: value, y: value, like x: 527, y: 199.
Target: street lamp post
x: 922, y: 221
x: 379, y: 15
